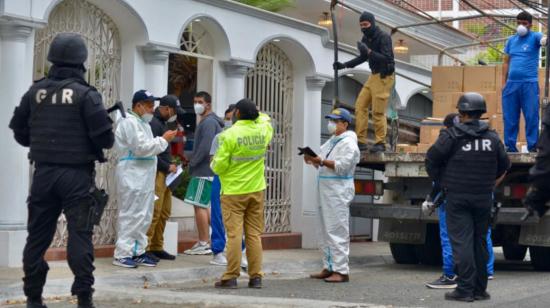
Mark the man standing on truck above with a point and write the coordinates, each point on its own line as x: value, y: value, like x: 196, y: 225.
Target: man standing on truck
x: 520, y: 80
x: 467, y: 161
x: 375, y: 47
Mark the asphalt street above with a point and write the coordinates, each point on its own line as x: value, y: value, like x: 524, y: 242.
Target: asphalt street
x: 376, y: 281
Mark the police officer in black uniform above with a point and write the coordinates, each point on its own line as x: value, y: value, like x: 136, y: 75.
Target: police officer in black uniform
x: 539, y: 192
x: 467, y: 161
x: 63, y: 121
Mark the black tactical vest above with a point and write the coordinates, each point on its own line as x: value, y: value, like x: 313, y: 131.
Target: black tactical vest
x: 58, y: 133
x: 472, y: 168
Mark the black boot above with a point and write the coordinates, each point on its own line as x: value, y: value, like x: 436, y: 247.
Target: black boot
x: 378, y: 148
x: 85, y: 300
x: 35, y: 302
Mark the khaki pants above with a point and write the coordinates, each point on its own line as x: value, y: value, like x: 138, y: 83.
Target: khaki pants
x: 243, y: 211
x: 163, y: 208
x: 375, y: 94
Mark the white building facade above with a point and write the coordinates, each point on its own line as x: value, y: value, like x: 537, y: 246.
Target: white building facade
x: 279, y: 62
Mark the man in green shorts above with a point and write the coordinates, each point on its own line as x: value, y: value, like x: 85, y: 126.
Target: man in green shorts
x: 200, y: 186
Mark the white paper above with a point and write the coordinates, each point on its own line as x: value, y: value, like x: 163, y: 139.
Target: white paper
x: 172, y: 176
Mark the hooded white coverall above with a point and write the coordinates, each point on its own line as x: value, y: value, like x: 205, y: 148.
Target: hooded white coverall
x: 336, y: 191
x: 137, y: 151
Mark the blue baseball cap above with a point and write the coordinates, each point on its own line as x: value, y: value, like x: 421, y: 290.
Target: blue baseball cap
x: 340, y: 114
x: 144, y: 95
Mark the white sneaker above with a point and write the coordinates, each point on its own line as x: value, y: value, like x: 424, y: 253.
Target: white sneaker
x: 199, y: 249
x: 219, y: 259
x: 244, y: 261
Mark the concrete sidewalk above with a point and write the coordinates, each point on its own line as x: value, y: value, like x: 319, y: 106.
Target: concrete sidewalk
x: 119, y: 283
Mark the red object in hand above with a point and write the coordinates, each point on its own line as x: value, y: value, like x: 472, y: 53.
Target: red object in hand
x: 177, y: 146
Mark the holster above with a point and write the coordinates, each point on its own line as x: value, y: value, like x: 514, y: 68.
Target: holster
x: 88, y: 211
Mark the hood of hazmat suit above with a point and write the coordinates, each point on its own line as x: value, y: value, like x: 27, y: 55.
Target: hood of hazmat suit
x: 137, y: 150
x: 336, y: 191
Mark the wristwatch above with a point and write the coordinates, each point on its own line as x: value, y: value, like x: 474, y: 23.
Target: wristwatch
x: 321, y: 163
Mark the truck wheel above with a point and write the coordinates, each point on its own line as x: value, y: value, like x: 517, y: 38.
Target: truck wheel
x: 403, y: 253
x: 514, y: 252
x: 430, y: 252
x: 540, y: 257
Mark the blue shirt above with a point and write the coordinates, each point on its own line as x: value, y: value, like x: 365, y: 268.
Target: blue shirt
x: 524, y: 57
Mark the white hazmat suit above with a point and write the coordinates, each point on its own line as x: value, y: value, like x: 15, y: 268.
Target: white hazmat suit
x: 336, y: 191
x: 137, y: 150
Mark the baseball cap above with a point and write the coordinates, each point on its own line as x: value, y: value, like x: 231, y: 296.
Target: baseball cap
x: 143, y: 95
x: 340, y: 114
x: 173, y: 102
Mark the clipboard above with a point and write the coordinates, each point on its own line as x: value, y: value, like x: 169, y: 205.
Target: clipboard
x: 307, y: 151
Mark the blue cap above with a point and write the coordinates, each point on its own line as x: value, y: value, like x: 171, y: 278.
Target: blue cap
x: 340, y: 114
x: 144, y: 95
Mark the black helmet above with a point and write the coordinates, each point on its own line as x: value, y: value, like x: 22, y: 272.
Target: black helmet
x: 68, y: 49
x: 471, y: 102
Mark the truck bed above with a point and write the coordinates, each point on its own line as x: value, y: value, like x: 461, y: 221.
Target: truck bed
x: 414, y: 162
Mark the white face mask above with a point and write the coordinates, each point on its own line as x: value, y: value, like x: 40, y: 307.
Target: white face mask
x: 199, y: 108
x: 331, y: 126
x: 172, y: 118
x: 522, y: 30
x: 227, y: 124
x: 147, y: 117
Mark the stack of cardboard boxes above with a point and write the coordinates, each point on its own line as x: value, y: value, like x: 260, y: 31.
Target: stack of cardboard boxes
x: 448, y: 84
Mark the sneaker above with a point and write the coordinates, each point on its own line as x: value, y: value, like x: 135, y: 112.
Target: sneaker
x: 490, y: 277
x: 482, y: 296
x: 219, y: 259
x: 145, y: 260
x: 443, y: 282
x: 163, y: 255
x: 199, y: 249
x: 125, y: 262
x: 378, y: 148
x: 152, y: 256
x: 244, y: 261
x: 457, y: 296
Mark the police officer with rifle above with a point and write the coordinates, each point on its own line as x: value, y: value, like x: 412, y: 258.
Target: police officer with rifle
x: 63, y: 121
x: 539, y: 175
x: 467, y: 161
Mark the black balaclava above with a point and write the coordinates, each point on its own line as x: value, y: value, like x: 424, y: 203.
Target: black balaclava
x: 366, y: 16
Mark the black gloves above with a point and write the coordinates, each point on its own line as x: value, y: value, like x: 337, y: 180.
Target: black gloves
x: 363, y: 48
x: 339, y: 65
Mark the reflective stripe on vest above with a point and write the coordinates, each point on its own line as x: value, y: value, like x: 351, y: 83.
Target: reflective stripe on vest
x: 247, y: 158
x: 132, y: 157
x: 336, y: 177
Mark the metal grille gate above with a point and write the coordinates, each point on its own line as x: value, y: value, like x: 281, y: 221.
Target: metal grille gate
x: 270, y: 85
x: 102, y: 39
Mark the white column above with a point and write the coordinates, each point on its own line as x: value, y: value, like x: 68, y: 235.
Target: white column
x: 305, y: 210
x: 14, y: 181
x: 235, y: 73
x: 156, y: 70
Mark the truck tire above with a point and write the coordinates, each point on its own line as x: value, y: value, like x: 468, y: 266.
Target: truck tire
x: 430, y: 252
x: 403, y: 253
x: 540, y: 257
x: 514, y: 252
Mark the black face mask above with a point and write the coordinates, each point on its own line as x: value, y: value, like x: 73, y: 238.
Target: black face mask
x: 368, y: 31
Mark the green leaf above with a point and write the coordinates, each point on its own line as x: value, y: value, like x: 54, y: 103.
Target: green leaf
x: 269, y: 5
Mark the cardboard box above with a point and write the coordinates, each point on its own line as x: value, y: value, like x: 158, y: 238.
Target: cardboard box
x: 444, y: 103
x: 498, y: 78
x: 499, y: 102
x: 429, y: 130
x: 491, y: 99
x: 423, y: 147
x: 479, y: 79
x: 406, y: 148
x: 447, y: 78
x: 496, y: 122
